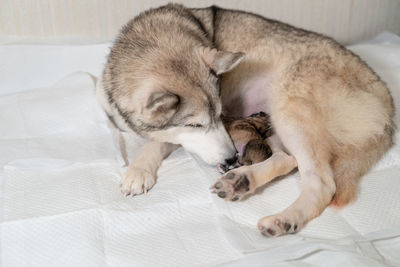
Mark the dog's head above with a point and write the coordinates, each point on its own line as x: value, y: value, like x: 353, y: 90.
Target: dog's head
x: 175, y: 98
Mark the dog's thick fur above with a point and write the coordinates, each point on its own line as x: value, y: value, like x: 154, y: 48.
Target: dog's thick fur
x: 332, y: 115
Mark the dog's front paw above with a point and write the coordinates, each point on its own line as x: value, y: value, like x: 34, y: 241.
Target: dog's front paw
x: 137, y: 181
x: 234, y: 185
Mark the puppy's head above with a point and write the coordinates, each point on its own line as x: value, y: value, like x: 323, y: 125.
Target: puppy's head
x: 174, y: 96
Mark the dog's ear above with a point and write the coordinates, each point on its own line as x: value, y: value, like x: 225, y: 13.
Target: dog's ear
x: 221, y: 61
x: 162, y: 103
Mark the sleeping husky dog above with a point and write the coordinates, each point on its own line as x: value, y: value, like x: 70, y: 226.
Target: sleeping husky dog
x: 173, y: 71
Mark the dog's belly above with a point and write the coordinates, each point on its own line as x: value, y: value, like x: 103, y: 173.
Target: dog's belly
x: 249, y: 97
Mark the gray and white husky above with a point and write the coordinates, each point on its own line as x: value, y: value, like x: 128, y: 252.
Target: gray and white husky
x: 173, y: 71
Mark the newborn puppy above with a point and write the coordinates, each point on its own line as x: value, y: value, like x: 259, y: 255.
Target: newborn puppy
x: 248, y: 136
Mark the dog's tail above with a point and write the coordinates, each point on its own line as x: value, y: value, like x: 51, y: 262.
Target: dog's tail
x: 351, y: 163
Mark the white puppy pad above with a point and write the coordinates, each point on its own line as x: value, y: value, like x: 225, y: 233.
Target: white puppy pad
x: 60, y: 203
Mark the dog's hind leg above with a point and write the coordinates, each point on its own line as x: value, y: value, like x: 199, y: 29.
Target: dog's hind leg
x: 142, y: 172
x: 242, y: 181
x: 303, y: 133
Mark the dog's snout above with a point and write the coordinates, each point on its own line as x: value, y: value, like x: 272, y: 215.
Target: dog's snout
x: 231, y: 161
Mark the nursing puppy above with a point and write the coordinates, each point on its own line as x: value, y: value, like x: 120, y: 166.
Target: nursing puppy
x: 173, y: 71
x: 249, y: 138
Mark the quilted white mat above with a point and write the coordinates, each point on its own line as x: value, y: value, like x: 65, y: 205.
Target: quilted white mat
x: 60, y: 203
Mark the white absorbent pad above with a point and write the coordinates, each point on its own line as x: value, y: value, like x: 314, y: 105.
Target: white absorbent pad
x: 60, y: 203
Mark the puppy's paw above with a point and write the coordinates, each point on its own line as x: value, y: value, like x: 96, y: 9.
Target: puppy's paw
x: 137, y: 181
x: 279, y: 224
x: 234, y: 185
x: 259, y: 114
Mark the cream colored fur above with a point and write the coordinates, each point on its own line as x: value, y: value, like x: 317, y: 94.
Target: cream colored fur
x: 331, y: 113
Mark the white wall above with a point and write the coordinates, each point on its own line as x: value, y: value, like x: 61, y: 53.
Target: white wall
x: 348, y: 21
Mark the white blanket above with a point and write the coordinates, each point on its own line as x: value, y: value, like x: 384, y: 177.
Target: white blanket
x: 60, y: 203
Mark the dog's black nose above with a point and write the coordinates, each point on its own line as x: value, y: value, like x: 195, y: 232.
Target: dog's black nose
x: 231, y: 161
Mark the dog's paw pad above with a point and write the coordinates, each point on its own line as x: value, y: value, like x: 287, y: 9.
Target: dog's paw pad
x: 277, y: 225
x: 232, y: 186
x: 242, y: 184
x: 136, y: 182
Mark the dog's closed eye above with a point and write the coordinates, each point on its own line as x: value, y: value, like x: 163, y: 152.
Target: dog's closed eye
x: 194, y: 125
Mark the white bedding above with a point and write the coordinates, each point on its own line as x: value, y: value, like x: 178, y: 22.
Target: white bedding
x: 60, y: 203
